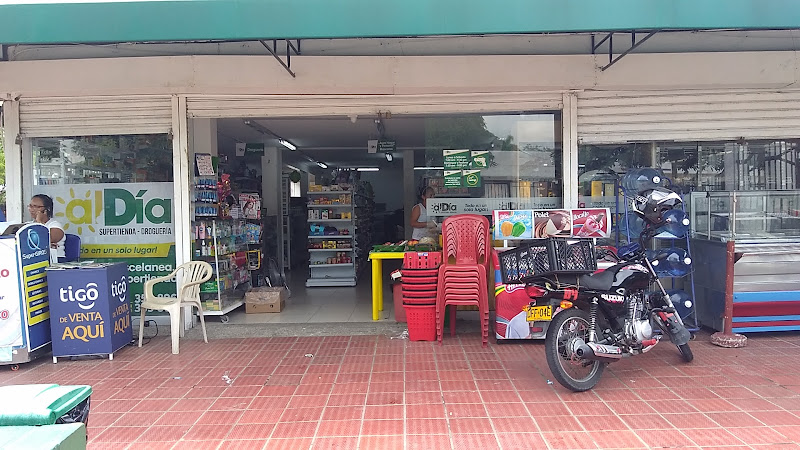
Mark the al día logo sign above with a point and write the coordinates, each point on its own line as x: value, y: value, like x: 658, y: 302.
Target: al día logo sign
x: 113, y: 207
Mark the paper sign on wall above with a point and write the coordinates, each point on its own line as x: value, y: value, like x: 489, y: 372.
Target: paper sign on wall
x: 456, y: 159
x: 472, y: 178
x: 452, y: 178
x: 480, y: 159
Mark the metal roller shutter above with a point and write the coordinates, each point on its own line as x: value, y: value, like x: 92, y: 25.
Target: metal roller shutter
x: 617, y: 117
x: 220, y: 106
x: 85, y: 116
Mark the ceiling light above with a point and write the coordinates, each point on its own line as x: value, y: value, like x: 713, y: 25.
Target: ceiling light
x: 322, y: 164
x: 368, y: 169
x: 389, y: 157
x: 429, y: 168
x: 287, y: 144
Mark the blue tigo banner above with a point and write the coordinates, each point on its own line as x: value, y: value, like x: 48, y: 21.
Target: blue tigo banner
x: 90, y: 313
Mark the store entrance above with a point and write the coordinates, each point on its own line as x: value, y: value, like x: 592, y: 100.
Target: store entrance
x: 331, y: 188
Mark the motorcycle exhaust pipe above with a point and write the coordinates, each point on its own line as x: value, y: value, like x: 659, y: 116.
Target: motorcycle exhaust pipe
x: 600, y: 352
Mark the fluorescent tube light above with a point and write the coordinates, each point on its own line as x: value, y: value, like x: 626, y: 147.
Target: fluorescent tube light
x: 287, y: 144
x: 368, y: 169
x: 322, y: 164
x: 389, y: 157
x: 429, y: 168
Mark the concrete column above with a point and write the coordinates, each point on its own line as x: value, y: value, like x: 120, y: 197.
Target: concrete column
x: 271, y: 179
x: 569, y: 141
x: 13, y: 154
x: 409, y: 196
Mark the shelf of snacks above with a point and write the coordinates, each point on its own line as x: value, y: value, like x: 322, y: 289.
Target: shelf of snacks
x: 331, y: 218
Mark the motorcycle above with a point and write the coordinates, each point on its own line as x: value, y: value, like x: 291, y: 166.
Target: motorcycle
x: 601, y: 317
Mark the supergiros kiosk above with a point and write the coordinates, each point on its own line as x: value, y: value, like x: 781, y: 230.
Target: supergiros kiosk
x: 24, y: 306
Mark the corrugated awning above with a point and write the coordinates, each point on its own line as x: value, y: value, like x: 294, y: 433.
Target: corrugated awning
x: 46, y: 22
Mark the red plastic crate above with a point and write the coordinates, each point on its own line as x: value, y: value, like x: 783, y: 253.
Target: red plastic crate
x: 421, y: 322
x: 416, y: 273
x: 419, y: 301
x: 419, y: 287
x: 422, y: 260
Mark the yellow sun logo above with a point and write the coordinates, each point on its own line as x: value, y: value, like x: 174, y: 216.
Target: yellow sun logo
x: 69, y: 216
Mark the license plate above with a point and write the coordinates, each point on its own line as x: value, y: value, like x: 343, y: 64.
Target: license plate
x: 539, y: 313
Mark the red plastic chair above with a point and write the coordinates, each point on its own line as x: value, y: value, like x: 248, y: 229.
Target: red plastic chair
x: 462, y: 276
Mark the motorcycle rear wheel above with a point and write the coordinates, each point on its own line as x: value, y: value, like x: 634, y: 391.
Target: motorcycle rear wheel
x: 686, y: 352
x: 572, y: 372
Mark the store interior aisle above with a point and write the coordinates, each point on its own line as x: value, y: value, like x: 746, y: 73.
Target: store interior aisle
x: 323, y: 304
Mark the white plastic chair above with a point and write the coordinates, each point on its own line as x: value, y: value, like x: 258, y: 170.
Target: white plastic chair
x: 193, y: 274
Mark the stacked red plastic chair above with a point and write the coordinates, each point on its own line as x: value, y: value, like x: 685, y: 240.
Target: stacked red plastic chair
x: 420, y: 282
x: 462, y: 275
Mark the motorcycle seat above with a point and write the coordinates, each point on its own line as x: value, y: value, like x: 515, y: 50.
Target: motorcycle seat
x: 600, y: 281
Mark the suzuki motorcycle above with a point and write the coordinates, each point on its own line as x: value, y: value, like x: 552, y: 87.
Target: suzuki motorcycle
x: 605, y: 316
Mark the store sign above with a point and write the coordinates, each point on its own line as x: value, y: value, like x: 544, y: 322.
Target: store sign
x: 386, y: 146
x: 448, y: 206
x: 452, y: 178
x: 132, y: 222
x: 536, y: 224
x: 472, y: 178
x: 456, y: 159
x: 479, y: 159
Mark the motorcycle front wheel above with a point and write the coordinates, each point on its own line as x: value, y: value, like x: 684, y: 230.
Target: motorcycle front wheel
x: 566, y: 331
x: 686, y: 352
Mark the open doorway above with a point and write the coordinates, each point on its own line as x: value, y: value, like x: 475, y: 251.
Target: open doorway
x: 332, y: 187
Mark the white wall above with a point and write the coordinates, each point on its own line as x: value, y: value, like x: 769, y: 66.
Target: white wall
x: 413, y: 75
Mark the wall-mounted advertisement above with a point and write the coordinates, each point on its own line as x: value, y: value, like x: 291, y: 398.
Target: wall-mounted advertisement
x: 536, y: 224
x: 121, y: 221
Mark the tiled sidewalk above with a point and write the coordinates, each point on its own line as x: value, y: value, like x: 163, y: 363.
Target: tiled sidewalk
x: 374, y: 392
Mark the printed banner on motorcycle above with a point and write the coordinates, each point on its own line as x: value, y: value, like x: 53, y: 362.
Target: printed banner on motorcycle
x: 587, y: 223
x: 122, y: 221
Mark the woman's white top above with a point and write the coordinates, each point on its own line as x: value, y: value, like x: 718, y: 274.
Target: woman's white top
x: 59, y: 249
x: 419, y: 233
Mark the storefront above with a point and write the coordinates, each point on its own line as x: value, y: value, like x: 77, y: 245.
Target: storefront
x: 145, y: 119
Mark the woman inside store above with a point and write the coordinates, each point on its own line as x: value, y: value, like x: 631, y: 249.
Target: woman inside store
x: 422, y: 226
x: 41, y: 209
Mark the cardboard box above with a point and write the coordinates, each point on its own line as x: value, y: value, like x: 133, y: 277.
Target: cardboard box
x: 265, y: 300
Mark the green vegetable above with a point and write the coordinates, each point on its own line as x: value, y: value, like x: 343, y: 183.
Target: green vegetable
x: 518, y: 229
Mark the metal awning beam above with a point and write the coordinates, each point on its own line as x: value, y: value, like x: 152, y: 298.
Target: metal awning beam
x: 610, y: 38
x: 289, y: 49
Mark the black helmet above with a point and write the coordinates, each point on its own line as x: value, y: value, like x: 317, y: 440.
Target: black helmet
x: 650, y: 204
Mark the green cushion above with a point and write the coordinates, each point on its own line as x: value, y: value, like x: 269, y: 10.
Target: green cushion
x: 39, y: 404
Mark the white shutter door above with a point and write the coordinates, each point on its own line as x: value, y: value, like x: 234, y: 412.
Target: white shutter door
x: 86, y: 116
x: 617, y: 117
x: 221, y: 106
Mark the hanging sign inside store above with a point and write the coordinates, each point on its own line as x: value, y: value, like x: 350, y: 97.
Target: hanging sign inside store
x: 121, y: 221
x: 452, y: 178
x: 254, y: 149
x: 479, y: 159
x: 456, y: 159
x: 448, y: 206
x: 386, y: 146
x: 536, y: 224
x: 472, y: 178
x: 205, y: 166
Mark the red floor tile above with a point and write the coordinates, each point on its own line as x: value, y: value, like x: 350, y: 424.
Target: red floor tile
x: 246, y: 431
x: 462, y: 410
x: 243, y: 444
x: 708, y: 437
x: 383, y: 427
x: 381, y: 442
x: 383, y: 412
x: 520, y: 441
x: 472, y: 425
x: 295, y: 430
x: 618, y: 439
x: 205, y: 444
x: 343, y: 428
x: 119, y: 434
x: 290, y: 444
x: 207, y: 432
x: 427, y: 426
x: 164, y: 433
x: 301, y: 414
x: 335, y: 443
x: 666, y: 439
x: 429, y: 442
x: 564, y: 440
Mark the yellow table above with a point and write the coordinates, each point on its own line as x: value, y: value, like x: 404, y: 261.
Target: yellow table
x: 377, y: 279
